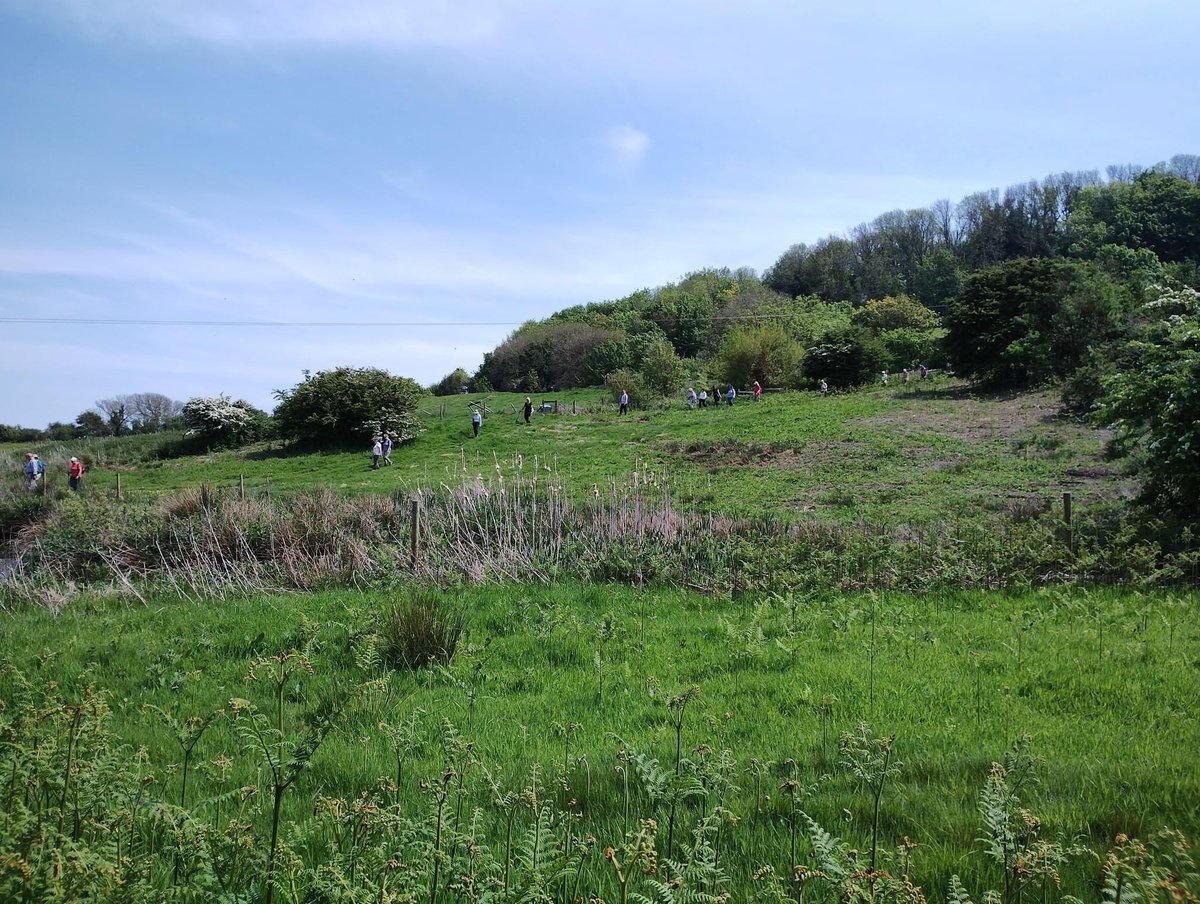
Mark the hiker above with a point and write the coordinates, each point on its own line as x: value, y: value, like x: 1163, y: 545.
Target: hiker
x: 924, y: 372
x: 904, y: 375
x: 824, y: 387
x: 376, y: 452
x: 715, y: 395
x: 884, y: 378
x: 34, y: 469
x: 757, y: 391
x: 387, y: 449
x: 528, y: 409
x: 730, y: 396
x: 703, y: 397
x: 75, y: 474
x: 476, y: 420
x: 691, y: 397
x: 624, y: 402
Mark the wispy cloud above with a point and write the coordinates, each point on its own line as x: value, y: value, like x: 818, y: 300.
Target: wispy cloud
x: 628, y: 144
x: 251, y: 23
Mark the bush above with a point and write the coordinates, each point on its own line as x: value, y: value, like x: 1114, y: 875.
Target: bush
x: 218, y: 421
x: 421, y: 632
x: 763, y: 353
x: 348, y: 406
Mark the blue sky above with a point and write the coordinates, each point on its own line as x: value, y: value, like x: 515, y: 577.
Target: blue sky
x: 493, y: 161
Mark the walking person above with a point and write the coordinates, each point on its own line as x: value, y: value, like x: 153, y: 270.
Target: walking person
x: 730, y: 396
x: 691, y: 397
x: 716, y: 396
x: 75, y: 474
x: 824, y: 387
x: 624, y: 402
x: 387, y: 449
x: 476, y: 421
x: 33, y: 473
x: 757, y: 391
x: 703, y: 397
x: 528, y: 409
x: 884, y: 378
x: 376, y: 453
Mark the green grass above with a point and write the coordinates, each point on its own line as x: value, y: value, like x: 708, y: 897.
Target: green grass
x: 902, y: 455
x: 1105, y: 682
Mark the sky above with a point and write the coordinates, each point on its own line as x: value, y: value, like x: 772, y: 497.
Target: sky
x: 247, y: 189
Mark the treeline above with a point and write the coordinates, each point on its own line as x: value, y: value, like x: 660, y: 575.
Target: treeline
x: 896, y: 292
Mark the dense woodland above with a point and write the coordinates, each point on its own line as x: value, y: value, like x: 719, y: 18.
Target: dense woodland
x: 910, y: 287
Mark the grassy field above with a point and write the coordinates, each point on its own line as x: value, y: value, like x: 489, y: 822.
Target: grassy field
x: 559, y: 702
x: 901, y: 455
x: 166, y: 724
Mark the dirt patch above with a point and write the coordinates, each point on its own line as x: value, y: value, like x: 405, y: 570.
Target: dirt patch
x: 968, y: 418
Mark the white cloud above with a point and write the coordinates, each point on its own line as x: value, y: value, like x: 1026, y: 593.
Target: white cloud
x: 627, y: 143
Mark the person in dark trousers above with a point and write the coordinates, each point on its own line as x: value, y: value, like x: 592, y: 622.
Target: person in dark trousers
x: 75, y: 474
x: 528, y: 408
x: 624, y: 402
x: 376, y: 453
x: 476, y: 420
x: 387, y: 449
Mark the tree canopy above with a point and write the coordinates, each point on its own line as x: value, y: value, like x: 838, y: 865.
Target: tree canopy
x: 348, y: 405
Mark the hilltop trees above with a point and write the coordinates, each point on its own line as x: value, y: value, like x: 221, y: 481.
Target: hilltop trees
x: 1026, y: 322
x: 348, y: 405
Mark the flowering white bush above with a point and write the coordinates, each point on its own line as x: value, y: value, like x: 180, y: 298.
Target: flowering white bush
x: 220, y: 421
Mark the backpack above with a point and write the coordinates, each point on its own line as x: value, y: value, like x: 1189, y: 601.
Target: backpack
x: 41, y: 466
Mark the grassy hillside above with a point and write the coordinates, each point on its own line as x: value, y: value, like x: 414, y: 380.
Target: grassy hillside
x: 886, y: 456
x: 559, y: 702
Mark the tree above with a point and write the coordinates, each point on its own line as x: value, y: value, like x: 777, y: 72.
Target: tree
x: 765, y: 353
x: 116, y: 413
x: 347, y: 406
x: 1155, y: 405
x: 152, y: 409
x: 848, y: 357
x: 1028, y: 321
x: 90, y: 423
x: 451, y: 384
x: 218, y: 421
x: 662, y: 371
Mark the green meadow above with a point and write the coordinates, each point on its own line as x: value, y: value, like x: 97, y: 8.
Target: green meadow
x: 911, y: 454
x: 364, y: 730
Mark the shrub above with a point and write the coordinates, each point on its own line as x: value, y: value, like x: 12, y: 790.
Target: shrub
x: 763, y: 353
x: 348, y: 405
x: 421, y: 632
x: 218, y: 421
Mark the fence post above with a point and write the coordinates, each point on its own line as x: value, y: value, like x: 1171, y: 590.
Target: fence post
x: 416, y: 531
x: 573, y: 410
x: 1070, y: 530
x: 118, y: 486
x: 242, y: 487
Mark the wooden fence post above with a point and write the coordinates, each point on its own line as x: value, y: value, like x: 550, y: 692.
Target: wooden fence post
x: 416, y: 531
x: 1070, y: 530
x: 242, y: 487
x: 118, y: 486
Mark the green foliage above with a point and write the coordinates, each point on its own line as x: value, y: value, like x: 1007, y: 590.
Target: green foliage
x: 347, y: 406
x: 662, y: 372
x: 451, y: 384
x: 420, y: 632
x: 765, y: 353
x: 1026, y: 322
x: 1156, y: 211
x: 1154, y: 404
x: 219, y: 422
x: 845, y: 359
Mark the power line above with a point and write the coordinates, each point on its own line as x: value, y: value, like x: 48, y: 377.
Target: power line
x: 117, y: 321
